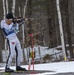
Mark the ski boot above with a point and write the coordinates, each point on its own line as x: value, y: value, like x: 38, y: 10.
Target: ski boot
x: 18, y: 68
x: 9, y: 70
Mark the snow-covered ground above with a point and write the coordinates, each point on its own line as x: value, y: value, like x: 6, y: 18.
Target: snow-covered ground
x: 55, y: 67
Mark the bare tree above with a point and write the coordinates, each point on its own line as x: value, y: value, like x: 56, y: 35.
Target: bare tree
x: 4, y: 9
x: 13, y: 7
x: 19, y: 11
x: 61, y: 29
x: 23, y: 28
x: 6, y: 6
x: 68, y: 28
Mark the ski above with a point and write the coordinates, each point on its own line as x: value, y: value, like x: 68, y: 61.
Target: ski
x: 23, y: 72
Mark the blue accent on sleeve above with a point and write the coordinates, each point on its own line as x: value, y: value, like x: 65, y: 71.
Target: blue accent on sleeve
x: 6, y: 32
x: 0, y: 24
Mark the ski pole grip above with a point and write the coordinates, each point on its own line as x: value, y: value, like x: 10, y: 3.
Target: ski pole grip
x: 31, y: 35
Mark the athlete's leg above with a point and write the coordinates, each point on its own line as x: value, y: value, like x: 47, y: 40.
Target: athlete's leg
x: 16, y: 55
x: 19, y: 53
x: 19, y: 56
x: 11, y: 52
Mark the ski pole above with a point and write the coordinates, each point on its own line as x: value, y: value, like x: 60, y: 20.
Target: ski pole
x: 32, y: 46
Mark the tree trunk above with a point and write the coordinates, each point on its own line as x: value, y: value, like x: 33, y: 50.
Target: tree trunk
x: 6, y: 6
x: 68, y: 29
x: 13, y: 7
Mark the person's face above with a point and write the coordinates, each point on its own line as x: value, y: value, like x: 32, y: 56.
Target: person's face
x: 9, y: 21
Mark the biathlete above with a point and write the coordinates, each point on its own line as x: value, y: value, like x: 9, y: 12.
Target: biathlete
x: 10, y: 30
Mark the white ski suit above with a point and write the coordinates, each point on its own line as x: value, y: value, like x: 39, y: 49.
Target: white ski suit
x: 10, y: 33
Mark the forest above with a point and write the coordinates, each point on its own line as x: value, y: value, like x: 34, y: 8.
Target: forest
x: 43, y: 22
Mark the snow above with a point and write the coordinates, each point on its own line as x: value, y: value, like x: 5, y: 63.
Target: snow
x: 43, y: 51
x: 59, y: 67
x: 55, y: 67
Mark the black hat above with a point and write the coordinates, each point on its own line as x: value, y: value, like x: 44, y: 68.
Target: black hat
x: 9, y: 16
